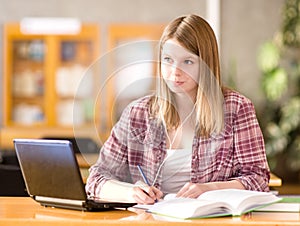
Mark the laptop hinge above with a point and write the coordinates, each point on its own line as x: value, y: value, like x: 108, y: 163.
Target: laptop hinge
x: 59, y: 201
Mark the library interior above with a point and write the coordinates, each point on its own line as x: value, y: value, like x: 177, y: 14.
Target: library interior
x: 70, y: 68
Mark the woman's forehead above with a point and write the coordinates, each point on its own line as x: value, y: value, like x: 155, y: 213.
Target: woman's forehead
x: 174, y: 48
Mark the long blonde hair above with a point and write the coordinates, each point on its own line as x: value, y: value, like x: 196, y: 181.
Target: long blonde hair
x: 195, y: 34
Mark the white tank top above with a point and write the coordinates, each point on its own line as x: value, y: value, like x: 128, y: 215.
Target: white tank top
x: 176, y: 170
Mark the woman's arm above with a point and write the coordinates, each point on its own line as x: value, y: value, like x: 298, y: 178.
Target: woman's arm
x: 249, y: 165
x: 111, y: 177
x: 250, y: 159
x: 112, y: 163
x: 136, y: 193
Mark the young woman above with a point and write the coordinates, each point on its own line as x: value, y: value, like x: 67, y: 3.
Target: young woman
x: 191, y: 136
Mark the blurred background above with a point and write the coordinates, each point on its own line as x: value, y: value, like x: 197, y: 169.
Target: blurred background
x: 69, y: 67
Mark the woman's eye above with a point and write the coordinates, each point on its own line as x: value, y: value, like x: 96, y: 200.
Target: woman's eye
x: 188, y: 62
x: 167, y: 59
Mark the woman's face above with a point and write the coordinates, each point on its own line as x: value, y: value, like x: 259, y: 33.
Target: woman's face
x: 179, y: 68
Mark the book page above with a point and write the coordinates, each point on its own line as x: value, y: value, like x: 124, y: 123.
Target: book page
x: 184, y: 208
x: 240, y: 200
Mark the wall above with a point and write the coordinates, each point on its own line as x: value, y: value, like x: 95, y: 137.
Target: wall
x: 244, y: 26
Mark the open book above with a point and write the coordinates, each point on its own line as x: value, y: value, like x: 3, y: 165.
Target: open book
x: 213, y: 203
x: 288, y: 203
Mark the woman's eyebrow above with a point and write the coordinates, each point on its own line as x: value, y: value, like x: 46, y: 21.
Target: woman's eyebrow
x: 187, y: 56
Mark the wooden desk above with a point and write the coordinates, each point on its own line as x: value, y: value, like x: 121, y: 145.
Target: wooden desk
x: 24, y: 211
x: 275, y: 181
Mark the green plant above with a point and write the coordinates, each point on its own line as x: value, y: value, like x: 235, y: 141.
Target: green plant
x: 279, y: 62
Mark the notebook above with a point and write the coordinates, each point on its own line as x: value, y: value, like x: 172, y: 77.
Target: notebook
x: 52, y: 176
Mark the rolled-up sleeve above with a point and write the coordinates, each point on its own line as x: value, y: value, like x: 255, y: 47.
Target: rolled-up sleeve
x: 112, y: 162
x: 249, y: 150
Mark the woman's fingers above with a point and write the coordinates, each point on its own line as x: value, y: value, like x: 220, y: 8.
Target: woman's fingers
x: 142, y: 197
x: 191, y: 190
x: 146, y: 195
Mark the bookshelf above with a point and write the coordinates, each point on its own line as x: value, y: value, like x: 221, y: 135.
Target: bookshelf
x: 40, y: 79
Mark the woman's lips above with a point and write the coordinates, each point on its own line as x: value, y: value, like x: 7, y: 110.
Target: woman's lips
x: 178, y: 83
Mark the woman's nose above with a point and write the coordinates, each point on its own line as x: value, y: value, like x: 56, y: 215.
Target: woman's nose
x: 175, y: 70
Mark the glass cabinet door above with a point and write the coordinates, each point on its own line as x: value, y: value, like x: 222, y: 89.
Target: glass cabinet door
x: 73, y: 83
x: 27, y: 82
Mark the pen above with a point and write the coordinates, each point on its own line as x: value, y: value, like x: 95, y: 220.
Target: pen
x: 144, y: 178
x: 143, y: 175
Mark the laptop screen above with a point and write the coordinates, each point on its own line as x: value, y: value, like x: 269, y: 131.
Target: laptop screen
x: 50, y: 168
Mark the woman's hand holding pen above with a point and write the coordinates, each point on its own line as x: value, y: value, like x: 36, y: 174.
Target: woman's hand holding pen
x: 144, y: 194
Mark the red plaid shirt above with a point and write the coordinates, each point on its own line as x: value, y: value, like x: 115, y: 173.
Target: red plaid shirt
x: 238, y: 152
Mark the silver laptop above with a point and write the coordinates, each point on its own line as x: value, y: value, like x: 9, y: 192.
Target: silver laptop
x: 52, y: 176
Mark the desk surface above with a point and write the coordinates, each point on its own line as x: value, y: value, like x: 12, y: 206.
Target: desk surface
x: 25, y: 211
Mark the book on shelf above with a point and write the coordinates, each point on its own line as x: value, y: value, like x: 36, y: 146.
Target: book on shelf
x: 225, y: 202
x: 288, y: 203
